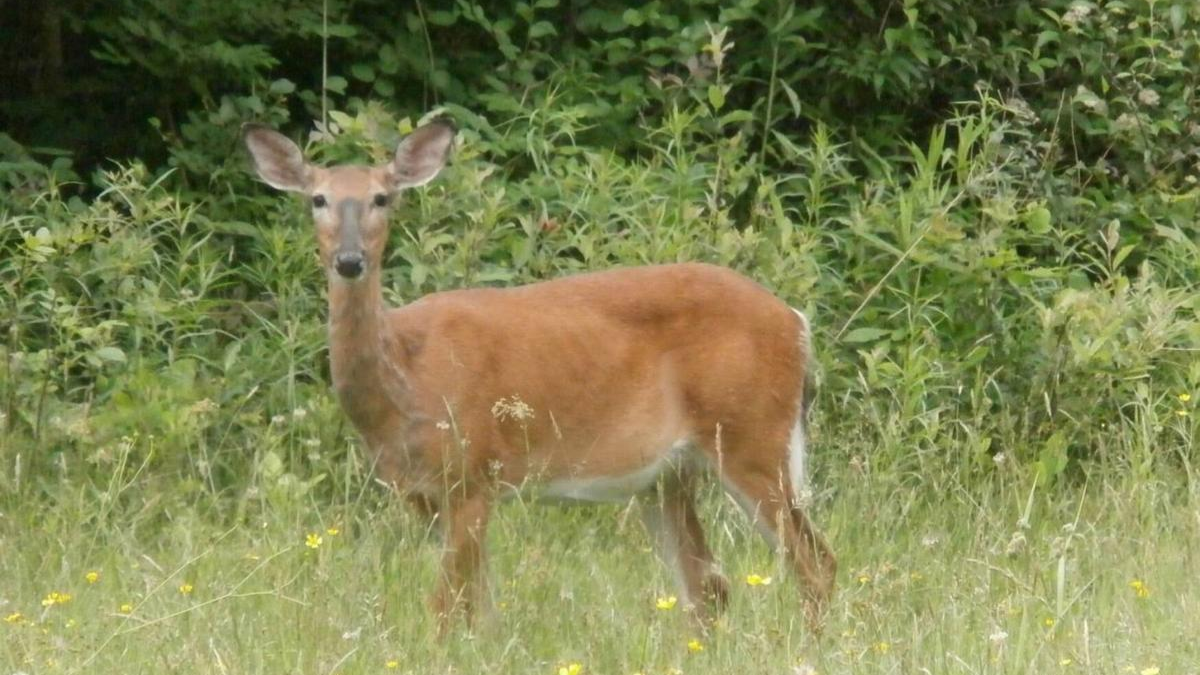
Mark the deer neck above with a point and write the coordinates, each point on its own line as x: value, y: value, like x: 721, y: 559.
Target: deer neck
x: 369, y: 381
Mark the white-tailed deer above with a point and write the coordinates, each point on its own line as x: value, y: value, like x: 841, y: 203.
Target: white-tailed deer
x: 593, y: 387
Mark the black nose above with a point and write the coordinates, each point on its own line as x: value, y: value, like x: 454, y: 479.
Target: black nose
x: 349, y: 265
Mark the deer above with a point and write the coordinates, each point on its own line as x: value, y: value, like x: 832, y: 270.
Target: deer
x: 607, y: 386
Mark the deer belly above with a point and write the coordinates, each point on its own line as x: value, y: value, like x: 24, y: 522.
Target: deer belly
x: 582, y: 485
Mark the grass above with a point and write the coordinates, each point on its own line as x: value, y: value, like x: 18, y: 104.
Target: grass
x: 938, y: 575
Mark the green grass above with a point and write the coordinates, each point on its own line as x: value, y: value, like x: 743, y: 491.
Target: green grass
x: 938, y: 575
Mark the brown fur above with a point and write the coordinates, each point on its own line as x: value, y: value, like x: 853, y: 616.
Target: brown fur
x: 612, y: 368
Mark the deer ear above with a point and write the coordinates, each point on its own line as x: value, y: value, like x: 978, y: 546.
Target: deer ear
x: 277, y: 159
x: 422, y: 154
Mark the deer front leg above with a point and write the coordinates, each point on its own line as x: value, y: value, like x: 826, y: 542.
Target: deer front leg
x: 463, y: 584
x: 425, y: 507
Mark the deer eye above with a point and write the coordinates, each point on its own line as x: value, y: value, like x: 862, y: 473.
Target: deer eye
x: 319, y: 201
x: 381, y: 200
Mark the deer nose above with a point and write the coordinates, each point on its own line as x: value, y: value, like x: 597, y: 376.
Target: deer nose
x: 349, y: 265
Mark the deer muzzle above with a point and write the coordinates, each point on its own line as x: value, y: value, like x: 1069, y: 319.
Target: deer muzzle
x: 350, y: 260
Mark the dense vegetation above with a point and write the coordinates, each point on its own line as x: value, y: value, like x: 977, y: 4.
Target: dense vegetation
x: 988, y: 208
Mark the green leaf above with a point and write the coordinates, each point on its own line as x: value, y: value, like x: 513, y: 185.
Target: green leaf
x: 737, y: 117
x: 1038, y: 219
x: 419, y: 274
x: 341, y: 119
x: 282, y: 86
x: 342, y: 30
x: 271, y: 465
x: 1122, y: 254
x: 363, y: 71
x: 385, y: 88
x: 336, y: 84
x: 716, y: 96
x: 541, y: 29
x: 1052, y: 459
x: 442, y: 17
x: 111, y: 354
x: 864, y: 335
x: 792, y: 98
x: 633, y: 17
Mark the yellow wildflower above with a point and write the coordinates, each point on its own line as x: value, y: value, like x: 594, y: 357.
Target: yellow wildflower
x: 392, y: 664
x: 186, y: 588
x: 1140, y: 588
x: 570, y: 669
x: 882, y: 647
x: 1152, y: 670
x: 332, y: 531
x: 15, y: 617
x: 92, y: 577
x: 126, y: 608
x: 313, y: 540
x: 667, y: 602
x: 864, y: 579
x: 1185, y: 397
x: 756, y: 580
x: 1048, y: 622
x: 1065, y: 662
x: 1181, y: 412
x: 695, y: 646
x: 56, y: 598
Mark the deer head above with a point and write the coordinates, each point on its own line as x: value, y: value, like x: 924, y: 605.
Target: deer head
x: 350, y: 204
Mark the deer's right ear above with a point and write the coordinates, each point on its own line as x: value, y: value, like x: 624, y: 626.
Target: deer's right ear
x: 276, y: 158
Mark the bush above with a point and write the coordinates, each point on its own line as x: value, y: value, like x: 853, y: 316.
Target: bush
x: 1000, y: 268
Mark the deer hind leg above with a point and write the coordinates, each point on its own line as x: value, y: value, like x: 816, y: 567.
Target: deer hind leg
x: 463, y: 586
x: 768, y: 497
x: 671, y: 518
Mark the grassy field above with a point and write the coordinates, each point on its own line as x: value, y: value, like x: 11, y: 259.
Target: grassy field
x: 938, y: 575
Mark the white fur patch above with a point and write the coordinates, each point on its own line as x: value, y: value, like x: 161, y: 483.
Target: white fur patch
x: 612, y: 488
x: 797, y: 447
x: 798, y: 461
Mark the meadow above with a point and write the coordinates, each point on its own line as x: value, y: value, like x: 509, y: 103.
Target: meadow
x: 938, y: 575
x: 990, y: 214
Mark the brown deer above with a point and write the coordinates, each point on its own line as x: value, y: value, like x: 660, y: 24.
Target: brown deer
x: 594, y: 387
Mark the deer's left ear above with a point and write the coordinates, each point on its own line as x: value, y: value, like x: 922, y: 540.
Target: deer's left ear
x: 422, y: 154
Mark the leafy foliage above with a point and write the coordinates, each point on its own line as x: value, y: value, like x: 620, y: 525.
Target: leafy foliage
x: 988, y: 208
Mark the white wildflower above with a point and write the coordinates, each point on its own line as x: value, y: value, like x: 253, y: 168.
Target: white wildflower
x: 512, y: 408
x: 1125, y: 122
x: 1076, y: 15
